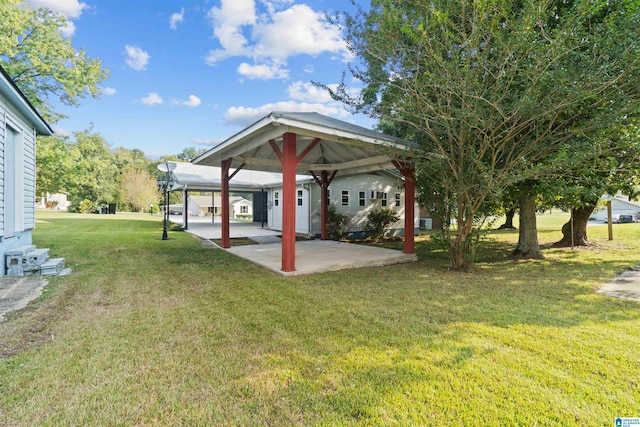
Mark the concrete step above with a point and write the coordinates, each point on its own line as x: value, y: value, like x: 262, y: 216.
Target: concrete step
x: 35, y: 259
x: 52, y: 267
x: 16, y: 260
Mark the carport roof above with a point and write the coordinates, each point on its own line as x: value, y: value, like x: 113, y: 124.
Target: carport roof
x: 208, y: 178
x: 332, y: 144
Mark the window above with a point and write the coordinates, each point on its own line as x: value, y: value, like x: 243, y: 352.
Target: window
x: 328, y: 196
x: 345, y: 198
x: 299, y: 197
x: 361, y: 198
x: 276, y: 198
x: 397, y: 199
x: 384, y: 199
x: 244, y: 209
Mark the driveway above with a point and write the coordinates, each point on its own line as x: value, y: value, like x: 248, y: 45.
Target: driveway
x: 17, y: 292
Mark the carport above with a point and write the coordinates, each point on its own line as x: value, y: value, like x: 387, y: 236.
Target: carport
x: 311, y: 144
x: 186, y: 177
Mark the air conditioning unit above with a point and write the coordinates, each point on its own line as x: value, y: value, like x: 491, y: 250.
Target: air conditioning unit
x: 376, y: 195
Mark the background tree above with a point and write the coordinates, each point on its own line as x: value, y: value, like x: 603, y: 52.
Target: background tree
x: 492, y: 90
x: 94, y: 175
x: 190, y: 153
x: 616, y: 169
x: 53, y: 165
x: 139, y: 189
x: 42, y: 62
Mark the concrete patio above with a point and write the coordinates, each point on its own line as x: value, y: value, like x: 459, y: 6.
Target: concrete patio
x: 313, y: 256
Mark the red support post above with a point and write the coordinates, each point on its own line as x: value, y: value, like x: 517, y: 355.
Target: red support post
x: 407, y: 170
x: 289, y: 163
x: 409, y: 214
x: 324, y: 206
x: 224, y: 199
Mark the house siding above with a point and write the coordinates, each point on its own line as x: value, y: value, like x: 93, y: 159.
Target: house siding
x: 383, y: 183
x: 3, y: 126
x: 29, y: 174
x: 24, y: 181
x: 308, y: 216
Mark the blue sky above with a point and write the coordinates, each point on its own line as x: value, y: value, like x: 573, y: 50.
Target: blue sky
x: 191, y: 73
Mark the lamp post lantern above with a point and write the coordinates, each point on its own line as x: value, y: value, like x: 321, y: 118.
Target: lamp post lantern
x: 167, y: 168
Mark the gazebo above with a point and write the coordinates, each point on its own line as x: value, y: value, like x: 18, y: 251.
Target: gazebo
x: 310, y: 144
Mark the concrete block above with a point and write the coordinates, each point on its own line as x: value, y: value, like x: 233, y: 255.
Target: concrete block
x: 36, y: 258
x: 52, y: 267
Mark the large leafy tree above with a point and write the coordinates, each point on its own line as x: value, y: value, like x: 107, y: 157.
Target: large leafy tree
x: 493, y: 89
x: 94, y: 175
x: 42, y: 62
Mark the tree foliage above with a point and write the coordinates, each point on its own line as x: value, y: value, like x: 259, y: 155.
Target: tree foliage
x: 42, y: 62
x: 379, y: 220
x: 491, y: 90
x: 139, y: 190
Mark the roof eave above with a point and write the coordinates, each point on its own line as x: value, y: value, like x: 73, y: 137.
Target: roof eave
x: 11, y: 91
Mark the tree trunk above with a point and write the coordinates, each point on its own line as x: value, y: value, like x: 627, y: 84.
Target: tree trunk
x: 580, y: 219
x: 528, y: 246
x: 508, y: 222
x: 459, y: 246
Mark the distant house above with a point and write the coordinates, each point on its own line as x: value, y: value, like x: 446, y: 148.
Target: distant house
x: 57, y: 201
x: 620, y: 205
x: 19, y: 125
x: 205, y: 206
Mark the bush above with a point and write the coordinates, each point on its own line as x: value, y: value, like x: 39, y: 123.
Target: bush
x: 336, y: 223
x: 87, y: 206
x: 379, y: 220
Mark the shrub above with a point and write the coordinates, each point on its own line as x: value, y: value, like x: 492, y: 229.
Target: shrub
x: 87, y: 206
x: 379, y: 220
x: 336, y: 223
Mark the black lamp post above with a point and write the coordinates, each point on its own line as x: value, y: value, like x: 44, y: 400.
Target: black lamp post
x: 167, y: 168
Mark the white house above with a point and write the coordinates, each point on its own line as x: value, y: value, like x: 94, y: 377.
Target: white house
x: 205, y: 206
x: 354, y: 195
x: 620, y: 205
x: 19, y: 125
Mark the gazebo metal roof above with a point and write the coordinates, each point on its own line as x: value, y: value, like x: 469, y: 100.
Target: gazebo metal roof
x: 339, y: 146
x: 187, y: 176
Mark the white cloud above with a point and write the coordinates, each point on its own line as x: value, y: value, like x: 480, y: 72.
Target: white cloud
x: 176, y: 18
x: 152, y: 99
x: 109, y: 91
x: 307, y: 92
x: 228, y: 21
x: 69, y: 9
x: 244, y: 116
x: 306, y: 32
x: 207, y: 141
x: 275, y: 36
x: 193, y: 101
x: 262, y: 71
x: 136, y: 58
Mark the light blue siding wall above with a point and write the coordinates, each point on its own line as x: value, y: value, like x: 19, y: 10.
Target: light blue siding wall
x: 3, y: 127
x: 25, y: 180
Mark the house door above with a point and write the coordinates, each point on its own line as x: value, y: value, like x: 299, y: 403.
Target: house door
x: 302, y: 211
x: 276, y: 209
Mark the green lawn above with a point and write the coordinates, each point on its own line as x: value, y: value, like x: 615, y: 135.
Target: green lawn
x: 171, y: 333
